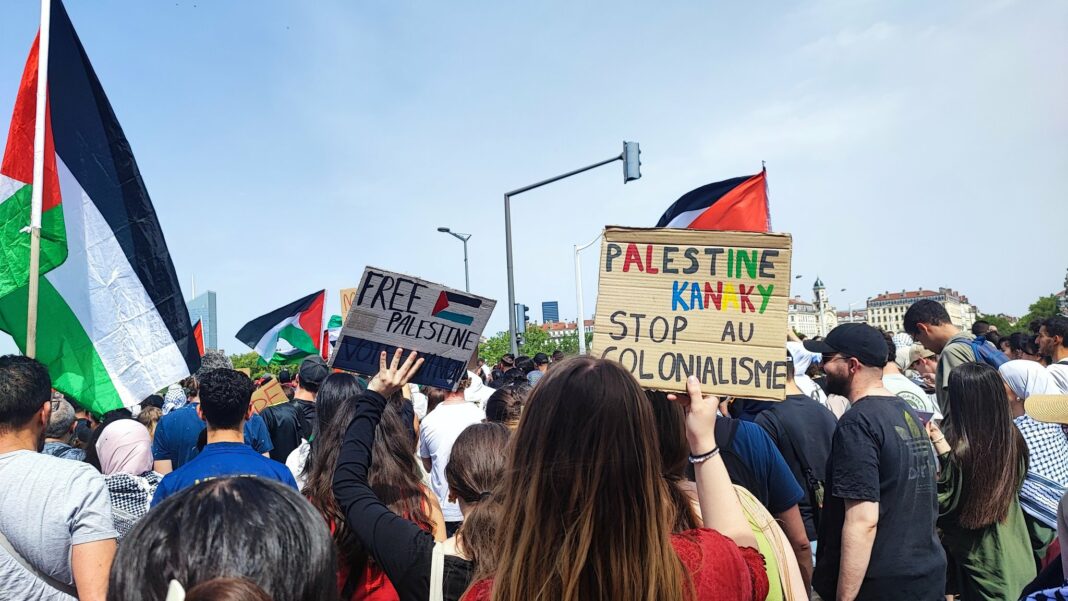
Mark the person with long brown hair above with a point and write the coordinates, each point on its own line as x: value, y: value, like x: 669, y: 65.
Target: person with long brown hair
x: 393, y: 476
x: 407, y: 553
x: 589, y: 513
x: 983, y: 459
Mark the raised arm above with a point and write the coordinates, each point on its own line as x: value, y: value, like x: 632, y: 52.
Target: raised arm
x: 400, y: 547
x: 720, y: 508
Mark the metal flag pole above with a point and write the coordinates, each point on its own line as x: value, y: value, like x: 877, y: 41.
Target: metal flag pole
x: 36, y: 197
x: 580, y: 323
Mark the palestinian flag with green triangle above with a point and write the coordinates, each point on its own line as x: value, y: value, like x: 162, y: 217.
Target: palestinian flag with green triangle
x: 288, y: 334
x: 112, y: 324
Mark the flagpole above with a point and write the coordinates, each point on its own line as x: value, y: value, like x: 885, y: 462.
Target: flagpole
x: 36, y: 198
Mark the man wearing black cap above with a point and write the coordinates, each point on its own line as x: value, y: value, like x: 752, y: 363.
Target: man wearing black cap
x: 541, y: 365
x: 295, y: 420
x: 877, y: 535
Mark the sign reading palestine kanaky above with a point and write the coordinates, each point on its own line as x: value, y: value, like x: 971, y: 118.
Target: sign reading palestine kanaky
x: 676, y: 302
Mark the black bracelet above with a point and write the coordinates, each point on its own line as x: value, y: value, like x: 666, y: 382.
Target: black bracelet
x: 705, y: 456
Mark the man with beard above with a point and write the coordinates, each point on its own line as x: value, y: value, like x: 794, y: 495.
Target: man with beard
x: 877, y: 531
x: 1053, y: 343
x: 57, y: 539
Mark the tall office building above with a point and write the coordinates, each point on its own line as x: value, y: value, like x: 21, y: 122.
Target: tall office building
x: 550, y: 312
x: 203, y: 308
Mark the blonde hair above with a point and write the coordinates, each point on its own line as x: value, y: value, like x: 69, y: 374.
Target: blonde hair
x: 149, y: 417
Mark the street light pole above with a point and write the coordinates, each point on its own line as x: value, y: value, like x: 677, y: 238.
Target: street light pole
x: 580, y: 323
x: 629, y: 156
x: 462, y: 238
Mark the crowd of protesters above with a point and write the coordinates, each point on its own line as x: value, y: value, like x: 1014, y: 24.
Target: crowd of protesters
x: 930, y: 464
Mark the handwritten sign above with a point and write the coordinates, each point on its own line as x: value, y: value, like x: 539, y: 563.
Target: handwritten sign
x: 347, y: 296
x: 267, y: 395
x: 673, y: 303
x: 392, y: 310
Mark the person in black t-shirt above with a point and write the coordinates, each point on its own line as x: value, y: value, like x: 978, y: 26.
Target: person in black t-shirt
x: 802, y: 429
x: 877, y: 535
x: 293, y: 421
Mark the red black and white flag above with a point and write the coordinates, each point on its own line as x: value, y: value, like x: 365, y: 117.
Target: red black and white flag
x: 739, y: 204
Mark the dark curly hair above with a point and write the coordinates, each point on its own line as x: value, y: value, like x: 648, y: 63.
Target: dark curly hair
x: 224, y: 397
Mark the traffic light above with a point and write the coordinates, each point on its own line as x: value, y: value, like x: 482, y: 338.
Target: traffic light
x: 632, y: 162
x: 521, y: 317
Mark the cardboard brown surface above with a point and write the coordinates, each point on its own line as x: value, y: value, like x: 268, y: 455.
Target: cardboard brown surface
x: 267, y: 395
x: 724, y: 323
x: 347, y: 296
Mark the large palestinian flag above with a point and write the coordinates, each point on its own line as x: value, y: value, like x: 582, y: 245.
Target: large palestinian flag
x: 739, y: 204
x: 288, y: 334
x: 112, y: 325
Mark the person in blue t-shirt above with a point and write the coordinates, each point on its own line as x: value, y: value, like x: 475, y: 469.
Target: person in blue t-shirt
x: 175, y: 440
x: 225, y: 404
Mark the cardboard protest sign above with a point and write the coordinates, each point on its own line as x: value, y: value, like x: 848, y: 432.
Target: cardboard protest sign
x: 347, y: 295
x: 392, y: 310
x: 267, y: 395
x: 673, y: 303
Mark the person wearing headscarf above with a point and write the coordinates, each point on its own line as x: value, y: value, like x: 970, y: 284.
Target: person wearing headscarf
x: 124, y: 449
x: 1047, y: 471
x: 174, y: 399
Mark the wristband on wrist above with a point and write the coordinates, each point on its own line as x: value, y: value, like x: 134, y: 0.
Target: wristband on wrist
x: 704, y: 456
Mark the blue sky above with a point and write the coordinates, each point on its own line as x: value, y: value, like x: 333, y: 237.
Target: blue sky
x: 287, y: 145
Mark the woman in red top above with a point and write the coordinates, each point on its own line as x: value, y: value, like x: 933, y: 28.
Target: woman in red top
x: 393, y: 476
x: 590, y: 515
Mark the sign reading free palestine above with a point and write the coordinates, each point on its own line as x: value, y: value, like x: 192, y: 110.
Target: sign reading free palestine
x: 392, y: 310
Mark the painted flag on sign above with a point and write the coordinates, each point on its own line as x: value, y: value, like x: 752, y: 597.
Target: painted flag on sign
x: 113, y: 326
x: 456, y: 307
x: 287, y: 334
x: 739, y: 204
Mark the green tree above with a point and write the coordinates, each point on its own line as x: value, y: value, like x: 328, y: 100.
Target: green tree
x: 1042, y: 308
x: 535, y: 340
x: 1002, y: 324
x: 252, y: 362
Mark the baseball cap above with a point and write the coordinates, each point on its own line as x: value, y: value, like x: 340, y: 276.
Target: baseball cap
x: 856, y: 340
x: 1051, y: 408
x: 917, y: 352
x: 541, y: 359
x: 313, y: 370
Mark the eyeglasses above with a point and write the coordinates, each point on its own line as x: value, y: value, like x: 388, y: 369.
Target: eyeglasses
x: 831, y: 357
x: 55, y: 404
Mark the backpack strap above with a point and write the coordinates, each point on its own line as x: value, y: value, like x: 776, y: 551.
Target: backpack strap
x: 29, y: 567
x: 740, y: 472
x: 816, y: 491
x: 437, y: 572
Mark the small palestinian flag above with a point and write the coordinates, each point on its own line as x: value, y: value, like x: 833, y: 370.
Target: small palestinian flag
x: 739, y: 204
x: 288, y: 334
x: 333, y: 328
x: 112, y: 324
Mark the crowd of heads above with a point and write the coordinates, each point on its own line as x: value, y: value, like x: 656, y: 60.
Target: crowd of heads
x: 567, y: 458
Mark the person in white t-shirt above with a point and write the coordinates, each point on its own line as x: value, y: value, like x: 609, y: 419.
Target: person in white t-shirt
x: 55, y: 514
x: 1053, y: 342
x: 897, y: 383
x: 437, y: 433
